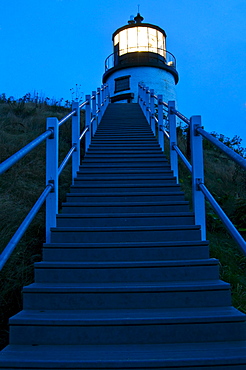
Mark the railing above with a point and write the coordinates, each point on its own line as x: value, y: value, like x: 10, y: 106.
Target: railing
x: 148, y: 102
x: 160, y: 55
x: 94, y: 106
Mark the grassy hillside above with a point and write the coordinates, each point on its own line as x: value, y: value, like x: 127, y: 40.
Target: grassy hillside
x: 22, y: 121
x: 227, y: 182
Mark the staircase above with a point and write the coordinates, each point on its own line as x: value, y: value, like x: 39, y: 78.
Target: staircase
x: 126, y: 282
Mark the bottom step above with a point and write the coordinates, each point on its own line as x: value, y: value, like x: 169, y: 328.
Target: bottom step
x: 193, y: 356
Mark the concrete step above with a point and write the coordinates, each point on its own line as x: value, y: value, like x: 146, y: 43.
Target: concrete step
x: 123, y: 132
x: 143, y: 271
x: 113, y: 182
x: 119, y: 139
x: 130, y: 172
x: 123, y: 123
x: 122, y: 162
x: 118, y: 166
x: 127, y: 326
x: 119, y: 219
x: 127, y: 145
x: 141, y: 251
x: 110, y: 135
x: 123, y: 151
x: 138, y: 125
x: 141, y: 174
x: 93, y: 296
x: 222, y: 355
x: 125, y: 197
x: 125, y: 234
x: 140, y: 180
x: 133, y: 156
x: 121, y: 135
x: 80, y: 187
x: 127, y: 207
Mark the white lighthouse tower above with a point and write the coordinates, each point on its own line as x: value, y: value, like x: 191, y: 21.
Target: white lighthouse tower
x: 140, y: 56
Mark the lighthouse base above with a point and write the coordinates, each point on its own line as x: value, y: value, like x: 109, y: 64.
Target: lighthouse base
x: 123, y: 83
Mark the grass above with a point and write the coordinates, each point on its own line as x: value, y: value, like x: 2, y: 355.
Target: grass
x: 227, y: 183
x: 20, y: 123
x: 232, y: 266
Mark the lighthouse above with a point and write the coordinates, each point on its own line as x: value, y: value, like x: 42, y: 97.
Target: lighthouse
x: 140, y: 56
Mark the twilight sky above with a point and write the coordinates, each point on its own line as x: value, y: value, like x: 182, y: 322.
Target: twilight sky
x: 52, y: 45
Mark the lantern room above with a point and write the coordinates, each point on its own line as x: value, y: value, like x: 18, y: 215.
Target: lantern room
x: 139, y: 38
x: 139, y: 54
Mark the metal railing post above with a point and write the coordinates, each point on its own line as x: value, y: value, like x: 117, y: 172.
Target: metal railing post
x: 94, y: 123
x: 160, y: 122
x: 102, y: 99
x: 173, y: 139
x: 88, y: 122
x: 144, y: 100
x: 52, y: 175
x: 152, y: 110
x: 141, y: 96
x: 107, y: 95
x: 99, y: 105
x: 147, y: 104
x: 197, y: 174
x: 75, y: 140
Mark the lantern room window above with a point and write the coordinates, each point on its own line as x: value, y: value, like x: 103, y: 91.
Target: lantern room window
x: 137, y: 39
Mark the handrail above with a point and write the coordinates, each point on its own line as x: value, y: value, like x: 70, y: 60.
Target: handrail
x: 66, y: 118
x: 8, y: 250
x: 165, y: 132
x: 83, y: 104
x: 50, y: 193
x: 182, y: 156
x: 66, y: 159
x: 226, y: 221
x: 4, y: 166
x: 165, y: 104
x: 83, y: 133
x: 181, y: 116
x: 196, y: 133
x: 161, y: 127
x: 228, y: 151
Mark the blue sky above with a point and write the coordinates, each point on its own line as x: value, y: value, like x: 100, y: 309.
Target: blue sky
x: 52, y: 45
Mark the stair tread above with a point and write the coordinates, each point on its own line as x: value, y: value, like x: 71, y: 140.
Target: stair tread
x: 125, y: 264
x: 127, y: 316
x: 125, y: 156
x: 131, y: 244
x: 127, y: 228
x: 137, y: 177
x: 158, y: 186
x: 128, y: 286
x: 172, y: 202
x: 126, y: 194
x: 125, y: 356
x: 123, y: 215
